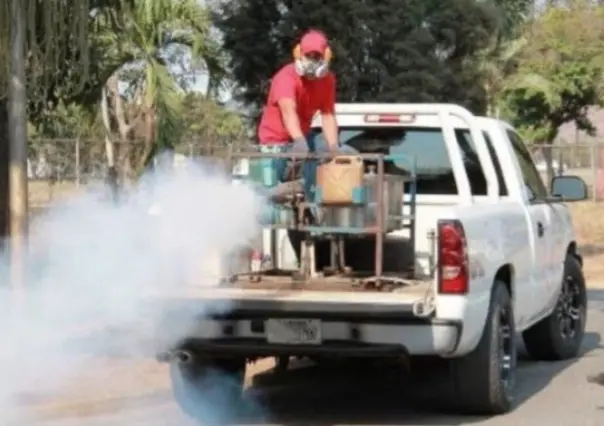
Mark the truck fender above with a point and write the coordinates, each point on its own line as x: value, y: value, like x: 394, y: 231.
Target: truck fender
x: 504, y: 275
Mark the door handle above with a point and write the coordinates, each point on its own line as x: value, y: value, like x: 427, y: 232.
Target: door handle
x: 540, y: 229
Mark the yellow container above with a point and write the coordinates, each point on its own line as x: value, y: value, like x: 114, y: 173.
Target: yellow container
x: 339, y: 179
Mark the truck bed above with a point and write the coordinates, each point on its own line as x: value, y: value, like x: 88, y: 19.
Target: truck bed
x: 331, y: 284
x: 278, y: 296
x: 328, y: 291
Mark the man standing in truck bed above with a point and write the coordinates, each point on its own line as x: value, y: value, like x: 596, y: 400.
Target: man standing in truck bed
x: 298, y: 91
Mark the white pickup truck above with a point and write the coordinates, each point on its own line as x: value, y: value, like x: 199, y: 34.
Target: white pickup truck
x: 495, y: 257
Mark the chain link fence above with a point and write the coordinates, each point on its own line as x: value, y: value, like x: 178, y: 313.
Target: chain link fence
x: 583, y: 160
x: 59, y: 168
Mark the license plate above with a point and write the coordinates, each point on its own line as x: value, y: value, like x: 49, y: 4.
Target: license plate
x: 293, y: 331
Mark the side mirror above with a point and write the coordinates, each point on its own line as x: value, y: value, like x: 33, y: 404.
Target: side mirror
x: 568, y: 188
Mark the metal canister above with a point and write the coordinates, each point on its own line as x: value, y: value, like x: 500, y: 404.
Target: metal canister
x: 256, y: 261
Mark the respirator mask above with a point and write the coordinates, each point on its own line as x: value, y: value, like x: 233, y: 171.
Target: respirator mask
x: 312, y: 67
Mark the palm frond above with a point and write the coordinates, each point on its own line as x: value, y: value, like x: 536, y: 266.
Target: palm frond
x: 144, y: 49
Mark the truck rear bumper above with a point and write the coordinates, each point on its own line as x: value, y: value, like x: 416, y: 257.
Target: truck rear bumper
x: 347, y: 330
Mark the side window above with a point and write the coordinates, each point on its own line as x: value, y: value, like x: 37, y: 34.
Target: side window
x: 478, y: 182
x: 532, y: 180
x: 503, y: 189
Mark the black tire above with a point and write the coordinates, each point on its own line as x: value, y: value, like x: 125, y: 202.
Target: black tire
x: 548, y: 340
x: 208, y: 390
x: 483, y: 382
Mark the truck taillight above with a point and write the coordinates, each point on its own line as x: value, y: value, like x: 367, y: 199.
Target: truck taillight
x: 389, y: 118
x: 453, y: 258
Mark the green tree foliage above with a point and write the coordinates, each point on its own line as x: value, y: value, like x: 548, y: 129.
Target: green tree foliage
x: 206, y: 125
x: 65, y: 137
x: 559, y: 73
x: 65, y: 121
x: 386, y: 50
x: 512, y: 15
x: 153, y: 36
x: 63, y: 61
x: 61, y: 64
x: 499, y: 59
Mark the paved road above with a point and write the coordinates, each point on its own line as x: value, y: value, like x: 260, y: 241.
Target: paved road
x: 550, y: 393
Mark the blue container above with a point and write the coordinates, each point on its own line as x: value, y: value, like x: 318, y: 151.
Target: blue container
x: 266, y: 170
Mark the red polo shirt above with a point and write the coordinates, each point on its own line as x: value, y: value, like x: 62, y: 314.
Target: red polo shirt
x: 310, y: 96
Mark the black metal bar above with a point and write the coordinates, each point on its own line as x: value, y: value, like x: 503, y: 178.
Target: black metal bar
x: 412, y: 211
x: 326, y: 229
x: 379, y: 237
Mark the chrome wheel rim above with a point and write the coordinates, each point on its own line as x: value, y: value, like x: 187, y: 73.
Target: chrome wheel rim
x: 507, y: 351
x: 569, y: 308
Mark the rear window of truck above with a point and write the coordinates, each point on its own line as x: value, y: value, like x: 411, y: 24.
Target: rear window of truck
x: 425, y: 146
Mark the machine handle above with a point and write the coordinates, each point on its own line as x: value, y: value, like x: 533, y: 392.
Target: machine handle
x: 346, y: 159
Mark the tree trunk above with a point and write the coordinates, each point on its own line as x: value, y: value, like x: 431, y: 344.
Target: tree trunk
x: 150, y: 142
x: 4, y: 162
x: 548, y: 157
x: 112, y: 177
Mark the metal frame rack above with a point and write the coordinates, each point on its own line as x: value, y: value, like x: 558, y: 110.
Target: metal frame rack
x: 317, y: 230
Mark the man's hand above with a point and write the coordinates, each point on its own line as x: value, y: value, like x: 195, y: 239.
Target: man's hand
x: 300, y: 146
x: 330, y: 131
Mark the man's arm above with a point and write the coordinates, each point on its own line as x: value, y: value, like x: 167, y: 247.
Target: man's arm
x: 284, y: 93
x: 290, y: 118
x: 328, y: 116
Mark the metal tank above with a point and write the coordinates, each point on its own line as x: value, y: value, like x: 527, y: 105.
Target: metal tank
x: 365, y: 215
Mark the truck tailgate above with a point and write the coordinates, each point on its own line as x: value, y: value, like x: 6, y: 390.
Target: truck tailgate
x: 269, y: 322
x: 276, y: 300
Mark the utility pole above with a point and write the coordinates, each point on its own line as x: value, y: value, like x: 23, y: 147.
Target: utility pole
x: 17, y: 124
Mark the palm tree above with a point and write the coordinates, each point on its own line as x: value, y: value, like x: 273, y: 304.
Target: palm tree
x: 152, y: 34
x: 496, y: 63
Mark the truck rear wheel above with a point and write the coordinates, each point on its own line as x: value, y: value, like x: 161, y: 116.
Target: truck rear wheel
x: 560, y: 335
x: 483, y: 381
x: 209, y: 390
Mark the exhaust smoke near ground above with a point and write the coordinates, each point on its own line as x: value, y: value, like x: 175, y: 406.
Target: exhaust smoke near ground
x: 97, y: 266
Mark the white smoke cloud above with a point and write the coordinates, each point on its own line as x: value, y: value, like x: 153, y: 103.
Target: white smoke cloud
x: 95, y: 264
